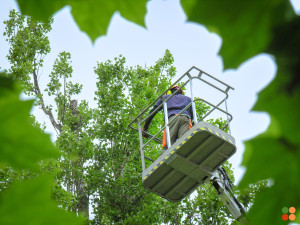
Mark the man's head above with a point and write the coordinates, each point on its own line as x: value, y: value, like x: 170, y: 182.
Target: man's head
x: 175, y: 88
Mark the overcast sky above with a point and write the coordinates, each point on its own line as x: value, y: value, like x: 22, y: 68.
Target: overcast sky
x: 166, y: 28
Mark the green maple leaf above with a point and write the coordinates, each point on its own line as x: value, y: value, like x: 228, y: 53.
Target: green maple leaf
x: 30, y: 203
x: 271, y: 156
x: 91, y: 16
x: 22, y: 145
x: 275, y: 154
x: 245, y: 26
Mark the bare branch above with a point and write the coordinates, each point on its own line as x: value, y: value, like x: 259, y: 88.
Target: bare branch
x: 46, y: 111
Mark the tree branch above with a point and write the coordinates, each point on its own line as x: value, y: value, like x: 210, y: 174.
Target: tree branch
x: 42, y: 104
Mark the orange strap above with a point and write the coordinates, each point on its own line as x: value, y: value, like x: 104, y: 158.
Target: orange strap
x: 191, y: 124
x: 164, y: 141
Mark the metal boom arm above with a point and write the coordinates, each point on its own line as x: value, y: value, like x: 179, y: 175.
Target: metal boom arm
x: 223, y: 186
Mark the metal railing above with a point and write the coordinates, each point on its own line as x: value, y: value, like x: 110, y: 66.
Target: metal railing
x: 140, y: 119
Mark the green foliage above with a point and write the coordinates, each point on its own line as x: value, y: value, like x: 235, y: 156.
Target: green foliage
x: 244, y: 35
x: 74, y: 139
x: 23, y: 147
x: 91, y: 17
x: 30, y: 203
x: 121, y: 93
x: 206, y: 208
x: 28, y: 46
x: 202, y: 109
x: 247, y: 196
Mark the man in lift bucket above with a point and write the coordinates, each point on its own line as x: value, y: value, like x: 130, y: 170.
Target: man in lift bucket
x: 181, y: 123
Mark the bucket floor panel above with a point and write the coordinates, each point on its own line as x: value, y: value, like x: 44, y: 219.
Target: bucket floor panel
x: 189, y: 162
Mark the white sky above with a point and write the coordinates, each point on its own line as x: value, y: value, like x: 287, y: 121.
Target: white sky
x: 190, y: 44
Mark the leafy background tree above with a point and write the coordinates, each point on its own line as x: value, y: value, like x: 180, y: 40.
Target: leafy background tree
x: 29, y: 45
x: 23, y: 146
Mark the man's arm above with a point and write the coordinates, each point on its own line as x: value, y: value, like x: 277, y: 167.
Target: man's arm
x: 148, y: 121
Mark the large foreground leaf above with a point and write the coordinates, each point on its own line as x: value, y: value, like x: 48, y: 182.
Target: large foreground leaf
x: 270, y: 156
x: 275, y: 155
x: 30, y: 203
x: 22, y: 145
x: 245, y: 26
x: 92, y: 16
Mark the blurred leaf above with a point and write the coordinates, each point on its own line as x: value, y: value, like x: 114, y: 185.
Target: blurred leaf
x: 277, y: 162
x: 275, y: 155
x: 245, y: 26
x: 92, y: 17
x: 22, y: 145
x: 5, y: 83
x: 30, y: 203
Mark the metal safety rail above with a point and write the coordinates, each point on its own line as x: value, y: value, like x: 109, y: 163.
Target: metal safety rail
x: 141, y: 118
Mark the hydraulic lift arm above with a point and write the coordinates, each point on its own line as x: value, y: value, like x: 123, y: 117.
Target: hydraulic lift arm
x: 223, y: 185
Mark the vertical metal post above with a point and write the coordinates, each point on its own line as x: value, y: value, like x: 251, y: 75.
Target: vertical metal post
x: 141, y: 145
x: 193, y: 103
x: 227, y: 117
x: 167, y: 126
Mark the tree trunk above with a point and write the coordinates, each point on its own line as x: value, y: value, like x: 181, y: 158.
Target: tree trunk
x: 83, y: 199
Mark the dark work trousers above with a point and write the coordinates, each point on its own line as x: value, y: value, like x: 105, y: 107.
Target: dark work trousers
x: 178, y: 127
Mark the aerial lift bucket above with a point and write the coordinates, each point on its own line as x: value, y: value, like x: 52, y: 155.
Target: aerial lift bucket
x: 194, y: 157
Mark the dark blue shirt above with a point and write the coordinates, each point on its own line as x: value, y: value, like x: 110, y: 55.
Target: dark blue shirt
x: 174, y: 106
